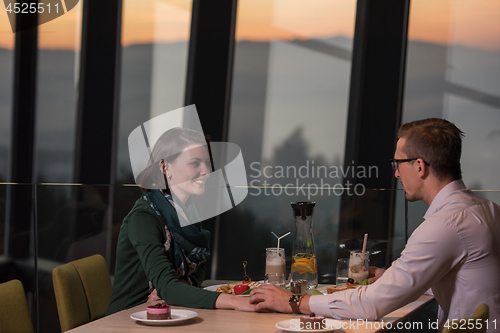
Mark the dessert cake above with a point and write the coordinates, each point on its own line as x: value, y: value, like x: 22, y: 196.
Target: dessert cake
x: 159, y: 311
x: 312, y: 322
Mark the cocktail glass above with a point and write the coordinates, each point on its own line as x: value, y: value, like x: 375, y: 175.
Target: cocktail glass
x: 276, y: 279
x: 275, y: 261
x: 357, y: 270
x: 342, y: 271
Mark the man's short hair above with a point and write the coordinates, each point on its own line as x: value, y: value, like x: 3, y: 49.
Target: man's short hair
x: 436, y: 141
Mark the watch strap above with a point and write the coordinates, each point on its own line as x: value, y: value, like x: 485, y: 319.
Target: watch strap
x: 294, y: 302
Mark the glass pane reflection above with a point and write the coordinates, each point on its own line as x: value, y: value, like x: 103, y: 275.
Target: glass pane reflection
x: 76, y: 221
x: 291, y: 67
x: 57, y: 84
x: 453, y: 72
x: 6, y: 94
x: 154, y: 65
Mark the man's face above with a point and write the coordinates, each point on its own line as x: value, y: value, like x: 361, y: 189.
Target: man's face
x: 407, y: 173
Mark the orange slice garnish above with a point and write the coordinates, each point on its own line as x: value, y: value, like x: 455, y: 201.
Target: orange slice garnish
x: 304, y: 265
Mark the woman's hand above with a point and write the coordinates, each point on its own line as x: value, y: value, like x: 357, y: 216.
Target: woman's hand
x: 226, y: 301
x: 375, y: 273
x: 186, y: 281
x: 153, y: 296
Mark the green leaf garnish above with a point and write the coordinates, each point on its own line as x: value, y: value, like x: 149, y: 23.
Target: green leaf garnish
x: 364, y: 282
x: 301, y: 255
x: 247, y: 292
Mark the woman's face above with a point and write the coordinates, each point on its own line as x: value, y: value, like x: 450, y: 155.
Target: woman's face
x: 189, y: 171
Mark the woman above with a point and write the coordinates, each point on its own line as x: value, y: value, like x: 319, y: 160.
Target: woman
x: 153, y: 250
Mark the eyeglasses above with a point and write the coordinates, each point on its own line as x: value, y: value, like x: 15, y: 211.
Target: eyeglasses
x: 394, y: 162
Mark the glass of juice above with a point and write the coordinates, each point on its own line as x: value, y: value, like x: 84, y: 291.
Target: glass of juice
x: 357, y: 270
x: 275, y: 261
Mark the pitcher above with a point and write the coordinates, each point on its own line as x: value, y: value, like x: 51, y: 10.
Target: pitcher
x: 304, y: 266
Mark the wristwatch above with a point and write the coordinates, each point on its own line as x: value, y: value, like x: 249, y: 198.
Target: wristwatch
x: 294, y: 302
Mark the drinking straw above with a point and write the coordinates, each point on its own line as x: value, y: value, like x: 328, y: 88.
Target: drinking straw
x: 363, y: 254
x: 279, y: 238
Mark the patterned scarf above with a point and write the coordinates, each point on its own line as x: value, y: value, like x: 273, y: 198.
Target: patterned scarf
x: 190, y: 243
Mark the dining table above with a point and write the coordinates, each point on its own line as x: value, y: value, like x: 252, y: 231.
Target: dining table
x: 211, y: 321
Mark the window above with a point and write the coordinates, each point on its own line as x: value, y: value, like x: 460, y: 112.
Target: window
x: 453, y: 72
x: 155, y: 37
x: 57, y: 86
x: 288, y: 114
x: 6, y: 79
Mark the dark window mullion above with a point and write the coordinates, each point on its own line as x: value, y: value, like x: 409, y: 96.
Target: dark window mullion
x: 209, y: 75
x: 97, y: 107
x: 97, y: 110
x: 20, y: 212
x: 375, y: 106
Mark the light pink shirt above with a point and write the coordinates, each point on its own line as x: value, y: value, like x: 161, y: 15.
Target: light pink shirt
x: 455, y: 251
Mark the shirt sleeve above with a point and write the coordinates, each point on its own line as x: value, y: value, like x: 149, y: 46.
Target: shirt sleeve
x: 146, y: 236
x: 432, y: 251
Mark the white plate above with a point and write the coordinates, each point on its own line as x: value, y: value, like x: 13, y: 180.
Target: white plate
x: 214, y: 288
x: 323, y: 289
x: 178, y: 316
x: 292, y: 325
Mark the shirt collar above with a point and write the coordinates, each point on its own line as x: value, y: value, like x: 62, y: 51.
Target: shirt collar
x: 445, y: 192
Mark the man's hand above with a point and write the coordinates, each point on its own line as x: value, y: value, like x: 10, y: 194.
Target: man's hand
x: 375, y: 273
x: 271, y: 298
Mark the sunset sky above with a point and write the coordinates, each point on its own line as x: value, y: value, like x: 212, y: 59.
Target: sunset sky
x: 467, y: 22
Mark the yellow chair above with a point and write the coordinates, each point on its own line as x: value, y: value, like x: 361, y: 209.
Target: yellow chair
x: 83, y: 290
x: 482, y: 313
x: 14, y: 313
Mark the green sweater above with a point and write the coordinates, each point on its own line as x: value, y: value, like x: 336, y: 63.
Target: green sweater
x: 141, y: 257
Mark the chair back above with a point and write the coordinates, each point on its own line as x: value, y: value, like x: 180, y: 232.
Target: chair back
x: 14, y: 312
x: 478, y: 321
x: 83, y: 290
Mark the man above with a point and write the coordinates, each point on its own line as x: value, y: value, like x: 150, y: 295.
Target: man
x: 455, y: 251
